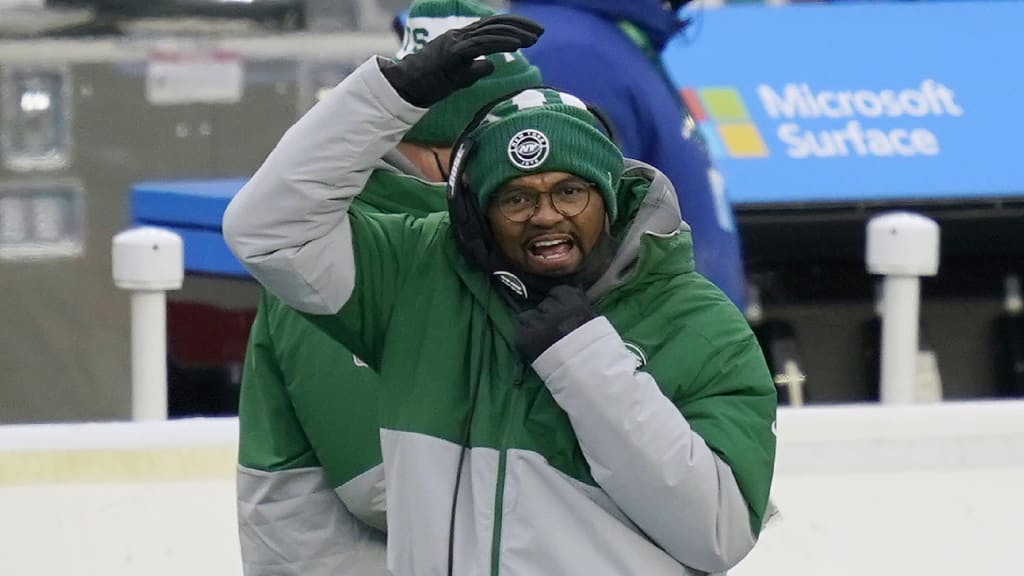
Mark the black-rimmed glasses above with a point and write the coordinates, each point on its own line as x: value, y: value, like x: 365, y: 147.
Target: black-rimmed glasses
x: 568, y: 199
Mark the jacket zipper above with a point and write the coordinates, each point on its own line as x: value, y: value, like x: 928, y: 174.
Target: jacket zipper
x: 499, y: 491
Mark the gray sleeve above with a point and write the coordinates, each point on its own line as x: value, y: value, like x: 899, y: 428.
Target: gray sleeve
x: 289, y: 224
x: 643, y: 453
x: 290, y: 523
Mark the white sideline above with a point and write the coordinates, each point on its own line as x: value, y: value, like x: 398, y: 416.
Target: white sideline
x: 920, y: 489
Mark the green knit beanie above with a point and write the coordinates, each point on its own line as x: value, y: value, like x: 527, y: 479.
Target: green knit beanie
x: 427, y: 20
x: 543, y: 130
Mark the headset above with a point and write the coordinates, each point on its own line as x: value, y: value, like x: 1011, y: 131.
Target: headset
x: 469, y: 223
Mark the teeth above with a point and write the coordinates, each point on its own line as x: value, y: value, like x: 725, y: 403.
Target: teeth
x: 546, y: 243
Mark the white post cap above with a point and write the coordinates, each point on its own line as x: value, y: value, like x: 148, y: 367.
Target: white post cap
x: 903, y: 244
x: 148, y: 258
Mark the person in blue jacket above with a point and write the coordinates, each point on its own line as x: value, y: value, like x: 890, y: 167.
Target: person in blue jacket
x: 608, y: 53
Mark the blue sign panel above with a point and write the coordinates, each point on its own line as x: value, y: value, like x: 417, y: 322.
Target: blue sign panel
x: 859, y: 102
x: 194, y: 210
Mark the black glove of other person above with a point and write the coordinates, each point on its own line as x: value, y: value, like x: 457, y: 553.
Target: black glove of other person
x: 565, y: 309
x: 449, y: 62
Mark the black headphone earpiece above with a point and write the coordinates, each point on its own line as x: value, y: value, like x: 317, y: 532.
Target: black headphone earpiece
x: 472, y: 232
x: 471, y: 229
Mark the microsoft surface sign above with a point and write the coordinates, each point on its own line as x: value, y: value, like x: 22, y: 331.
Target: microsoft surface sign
x: 798, y: 104
x: 726, y: 124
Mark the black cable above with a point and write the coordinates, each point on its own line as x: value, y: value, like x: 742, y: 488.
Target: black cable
x: 466, y: 432
x: 440, y: 168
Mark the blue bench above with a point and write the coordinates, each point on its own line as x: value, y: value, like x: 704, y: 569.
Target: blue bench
x: 193, y: 209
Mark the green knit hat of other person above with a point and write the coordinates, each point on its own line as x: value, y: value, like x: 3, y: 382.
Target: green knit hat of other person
x: 443, y: 123
x: 542, y: 130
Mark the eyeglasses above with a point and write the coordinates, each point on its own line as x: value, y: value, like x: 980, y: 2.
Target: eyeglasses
x: 568, y: 199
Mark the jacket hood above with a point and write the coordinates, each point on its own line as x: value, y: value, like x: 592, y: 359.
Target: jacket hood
x: 659, y: 23
x: 395, y: 161
x: 650, y: 209
x: 388, y: 189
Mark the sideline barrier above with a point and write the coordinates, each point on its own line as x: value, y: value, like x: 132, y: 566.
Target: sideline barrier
x: 895, y: 490
x: 119, y: 499
x: 874, y: 490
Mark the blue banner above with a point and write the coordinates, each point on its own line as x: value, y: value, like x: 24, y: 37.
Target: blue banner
x: 859, y: 102
x: 194, y: 210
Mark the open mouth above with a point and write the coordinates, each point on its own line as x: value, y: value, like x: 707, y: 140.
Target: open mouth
x: 552, y: 251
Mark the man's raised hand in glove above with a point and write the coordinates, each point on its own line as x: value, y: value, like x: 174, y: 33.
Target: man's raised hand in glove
x: 449, y: 62
x: 565, y: 309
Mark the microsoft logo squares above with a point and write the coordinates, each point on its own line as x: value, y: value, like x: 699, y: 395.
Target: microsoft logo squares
x: 724, y: 121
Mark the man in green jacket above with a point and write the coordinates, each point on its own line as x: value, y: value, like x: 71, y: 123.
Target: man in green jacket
x: 561, y: 393
x: 310, y: 477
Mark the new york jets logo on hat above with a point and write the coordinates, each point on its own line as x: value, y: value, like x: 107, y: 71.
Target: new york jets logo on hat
x: 528, y: 149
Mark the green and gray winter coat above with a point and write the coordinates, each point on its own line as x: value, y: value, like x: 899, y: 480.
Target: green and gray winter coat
x: 641, y: 443
x: 308, y: 429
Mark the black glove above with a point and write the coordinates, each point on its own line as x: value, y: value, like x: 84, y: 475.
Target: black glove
x: 448, y: 62
x: 565, y: 309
